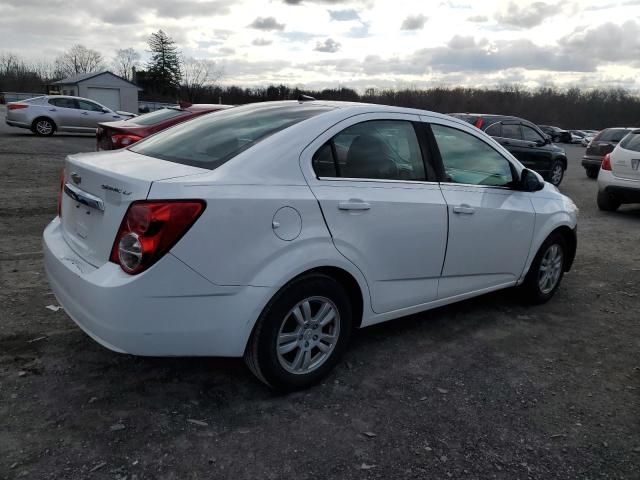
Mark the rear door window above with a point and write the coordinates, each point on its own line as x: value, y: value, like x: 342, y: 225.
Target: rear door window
x: 530, y: 135
x: 511, y: 130
x: 376, y: 149
x: 64, y: 102
x: 494, y: 130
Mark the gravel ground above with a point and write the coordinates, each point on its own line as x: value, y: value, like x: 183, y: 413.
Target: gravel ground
x: 487, y: 388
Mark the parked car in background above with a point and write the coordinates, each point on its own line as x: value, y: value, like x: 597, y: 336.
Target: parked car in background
x: 577, y: 136
x: 619, y: 176
x: 247, y: 233
x: 48, y: 114
x: 589, y: 135
x: 120, y: 134
x: 602, y: 144
x: 525, y: 141
x: 556, y: 134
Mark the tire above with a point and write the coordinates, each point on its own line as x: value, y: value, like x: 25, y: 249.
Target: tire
x: 43, y: 127
x: 557, y: 173
x: 607, y: 203
x: 592, y: 172
x: 536, y: 291
x: 300, y: 336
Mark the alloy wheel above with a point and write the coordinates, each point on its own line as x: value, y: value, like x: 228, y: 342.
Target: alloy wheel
x: 550, y: 268
x: 556, y: 174
x: 44, y: 127
x: 308, y: 335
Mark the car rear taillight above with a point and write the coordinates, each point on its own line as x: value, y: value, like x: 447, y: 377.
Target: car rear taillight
x: 149, y: 229
x: 60, y: 193
x: 479, y: 123
x: 606, y: 162
x: 122, y: 141
x: 17, y: 106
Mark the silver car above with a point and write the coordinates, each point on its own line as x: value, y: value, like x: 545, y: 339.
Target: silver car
x: 50, y: 113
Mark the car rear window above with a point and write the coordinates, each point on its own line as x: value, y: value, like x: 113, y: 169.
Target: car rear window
x: 211, y: 140
x: 631, y: 142
x: 158, y: 116
x: 612, y: 134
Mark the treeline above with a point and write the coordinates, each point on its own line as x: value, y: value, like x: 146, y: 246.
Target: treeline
x: 568, y: 108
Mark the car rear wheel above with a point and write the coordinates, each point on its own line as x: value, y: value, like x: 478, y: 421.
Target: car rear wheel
x: 557, y: 173
x: 592, y: 172
x: 546, y: 271
x: 43, y: 127
x: 607, y: 203
x: 301, y: 333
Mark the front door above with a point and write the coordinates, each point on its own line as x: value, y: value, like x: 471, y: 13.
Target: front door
x: 385, y: 214
x: 91, y: 114
x: 490, y: 224
x: 536, y: 152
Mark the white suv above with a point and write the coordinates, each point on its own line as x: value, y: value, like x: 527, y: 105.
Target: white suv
x: 619, y: 177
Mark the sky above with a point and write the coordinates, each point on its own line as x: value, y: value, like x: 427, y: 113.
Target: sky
x: 357, y: 44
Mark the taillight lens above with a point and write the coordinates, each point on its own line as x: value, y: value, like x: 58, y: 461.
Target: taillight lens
x: 17, y: 106
x: 122, y: 141
x: 60, y: 193
x: 479, y: 123
x: 149, y: 230
x: 606, y: 162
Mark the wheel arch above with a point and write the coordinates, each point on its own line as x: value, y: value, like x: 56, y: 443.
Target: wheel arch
x: 560, y: 223
x: 571, y: 239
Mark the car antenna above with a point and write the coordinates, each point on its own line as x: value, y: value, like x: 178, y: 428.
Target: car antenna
x: 305, y: 98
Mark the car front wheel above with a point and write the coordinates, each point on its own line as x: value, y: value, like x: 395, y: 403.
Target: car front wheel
x: 301, y: 333
x: 546, y: 271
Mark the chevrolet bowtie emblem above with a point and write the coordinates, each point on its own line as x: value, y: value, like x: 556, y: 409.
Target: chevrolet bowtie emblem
x: 77, y: 179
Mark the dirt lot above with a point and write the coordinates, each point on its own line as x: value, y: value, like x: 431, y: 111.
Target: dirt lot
x: 484, y: 389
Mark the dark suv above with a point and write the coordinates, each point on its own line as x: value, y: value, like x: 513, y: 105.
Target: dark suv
x: 557, y: 134
x: 601, y: 144
x: 525, y: 141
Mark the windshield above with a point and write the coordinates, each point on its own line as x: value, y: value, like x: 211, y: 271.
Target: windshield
x: 612, y: 134
x: 158, y: 116
x: 211, y: 140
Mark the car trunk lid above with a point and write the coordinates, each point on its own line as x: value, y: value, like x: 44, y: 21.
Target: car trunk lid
x: 97, y: 190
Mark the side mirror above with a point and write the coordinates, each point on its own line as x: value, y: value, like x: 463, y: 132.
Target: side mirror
x: 547, y: 140
x: 106, y: 110
x: 530, y: 182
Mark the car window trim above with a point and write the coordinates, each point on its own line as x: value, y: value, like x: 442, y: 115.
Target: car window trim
x: 514, y: 172
x: 499, y: 123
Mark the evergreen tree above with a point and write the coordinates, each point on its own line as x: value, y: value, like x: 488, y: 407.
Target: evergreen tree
x: 163, y: 70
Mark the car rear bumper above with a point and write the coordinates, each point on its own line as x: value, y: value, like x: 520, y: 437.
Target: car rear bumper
x: 625, y: 190
x: 14, y: 123
x: 591, y: 161
x: 168, y: 310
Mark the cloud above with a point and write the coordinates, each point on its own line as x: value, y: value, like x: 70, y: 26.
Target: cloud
x: 344, y: 15
x: 299, y: 2
x: 261, y: 42
x: 478, y: 18
x: 329, y: 46
x: 186, y: 8
x: 527, y: 16
x: 606, y: 43
x: 414, y: 22
x: 267, y: 23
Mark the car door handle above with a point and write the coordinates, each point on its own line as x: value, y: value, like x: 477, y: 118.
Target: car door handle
x: 464, y: 208
x: 354, y: 204
x: 85, y: 113
x: 506, y: 143
x: 53, y: 110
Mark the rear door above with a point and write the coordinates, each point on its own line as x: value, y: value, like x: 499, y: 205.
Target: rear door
x: 625, y: 159
x: 64, y: 112
x: 490, y: 224
x: 383, y: 207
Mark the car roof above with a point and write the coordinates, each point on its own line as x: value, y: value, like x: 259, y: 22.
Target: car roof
x: 199, y: 107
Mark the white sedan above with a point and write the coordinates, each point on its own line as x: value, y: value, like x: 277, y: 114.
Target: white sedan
x: 272, y: 231
x: 619, y: 176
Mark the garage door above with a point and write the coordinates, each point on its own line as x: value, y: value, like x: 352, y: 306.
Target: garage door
x: 109, y: 97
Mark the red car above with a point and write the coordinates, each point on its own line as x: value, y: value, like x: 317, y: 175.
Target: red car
x: 120, y: 134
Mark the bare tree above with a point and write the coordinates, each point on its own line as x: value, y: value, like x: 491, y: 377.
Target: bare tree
x: 197, y: 75
x: 125, y: 63
x: 79, y: 59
